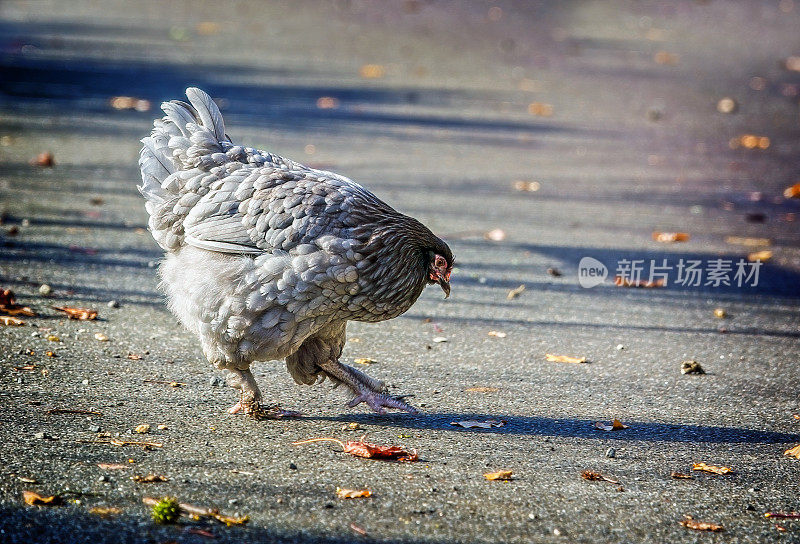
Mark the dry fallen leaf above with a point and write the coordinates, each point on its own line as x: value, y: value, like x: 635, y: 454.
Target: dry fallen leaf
x: 681, y: 476
x: 762, y: 256
x: 691, y: 367
x: 499, y: 475
x: 149, y: 479
x: 9, y: 306
x: 746, y: 241
x: 344, y: 493
x: 486, y: 424
x: 793, y: 452
x: 668, y: 237
x: 726, y: 105
x: 594, y: 476
x: 620, y: 281
x: 782, y: 515
x: 44, y: 159
x: 540, y: 109
x: 129, y: 103
x: 81, y: 314
x: 364, y: 361
x: 358, y: 529
x: 564, y: 358
x: 372, y: 71
x: 10, y: 321
x: 100, y: 337
x: 207, y: 28
x: 615, y: 425
x: 111, y: 466
x: 482, y: 389
x: 514, y: 293
x: 327, y: 103
x: 792, y: 64
x: 749, y: 141
x: 34, y: 499
x: 143, y: 428
x: 497, y: 334
x: 711, y: 468
x: 495, y: 235
x: 793, y: 191
x: 366, y: 450
x: 105, y: 511
x: 527, y: 186
x: 690, y: 523
x: 666, y: 58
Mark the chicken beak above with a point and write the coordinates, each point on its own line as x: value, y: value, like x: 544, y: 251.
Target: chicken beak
x: 445, y: 285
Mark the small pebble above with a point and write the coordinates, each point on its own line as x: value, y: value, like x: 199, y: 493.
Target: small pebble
x: 292, y: 466
x: 216, y: 381
x: 439, y: 339
x: 233, y: 501
x: 41, y: 436
x: 103, y: 478
x: 113, y: 304
x: 45, y: 290
x: 94, y: 428
x: 611, y: 453
x: 162, y: 427
x: 85, y: 382
x: 620, y: 347
x: 100, y: 337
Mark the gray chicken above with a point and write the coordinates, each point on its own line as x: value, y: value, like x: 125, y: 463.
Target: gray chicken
x: 268, y: 259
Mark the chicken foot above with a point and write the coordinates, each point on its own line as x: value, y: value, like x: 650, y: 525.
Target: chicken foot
x: 366, y: 389
x: 250, y: 401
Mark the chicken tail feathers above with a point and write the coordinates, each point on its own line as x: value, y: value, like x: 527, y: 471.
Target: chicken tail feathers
x: 180, y: 142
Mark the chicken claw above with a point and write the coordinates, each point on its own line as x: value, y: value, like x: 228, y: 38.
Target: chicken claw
x: 379, y: 402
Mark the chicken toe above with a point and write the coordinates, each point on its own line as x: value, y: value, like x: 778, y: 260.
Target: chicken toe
x: 365, y: 388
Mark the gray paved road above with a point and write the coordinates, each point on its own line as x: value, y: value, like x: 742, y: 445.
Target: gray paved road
x: 623, y: 137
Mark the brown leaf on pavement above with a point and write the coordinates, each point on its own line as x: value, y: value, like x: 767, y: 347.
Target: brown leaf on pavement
x: 81, y: 314
x: 515, y: 292
x: 669, y: 237
x: 366, y: 450
x: 762, y: 256
x: 564, y: 358
x: 793, y: 191
x: 615, y: 425
x: 793, y: 452
x: 702, y: 467
x: 111, y: 466
x: 594, y: 476
x: 344, y: 493
x: 34, y: 499
x: 746, y: 241
x: 149, y: 479
x: 499, y: 475
x: 105, y: 511
x: 482, y: 389
x: 681, y: 476
x: 690, y: 523
x: 11, y: 321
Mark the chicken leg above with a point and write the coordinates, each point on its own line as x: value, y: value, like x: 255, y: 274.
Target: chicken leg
x: 250, y: 400
x: 366, y: 389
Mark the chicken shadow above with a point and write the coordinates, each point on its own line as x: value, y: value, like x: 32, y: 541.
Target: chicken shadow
x: 570, y: 428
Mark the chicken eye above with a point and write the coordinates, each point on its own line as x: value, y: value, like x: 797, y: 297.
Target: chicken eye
x: 440, y: 262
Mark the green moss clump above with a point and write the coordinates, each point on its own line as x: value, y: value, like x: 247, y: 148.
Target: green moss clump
x: 166, y: 511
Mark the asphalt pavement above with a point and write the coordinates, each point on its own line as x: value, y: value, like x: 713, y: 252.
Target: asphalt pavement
x: 530, y: 135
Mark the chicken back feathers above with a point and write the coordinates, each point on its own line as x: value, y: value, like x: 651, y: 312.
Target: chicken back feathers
x: 267, y: 258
